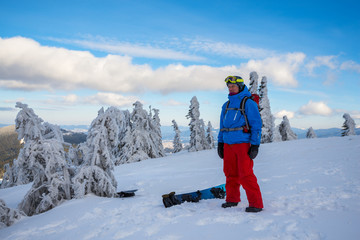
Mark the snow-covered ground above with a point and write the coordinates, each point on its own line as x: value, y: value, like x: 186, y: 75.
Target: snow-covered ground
x: 310, y: 187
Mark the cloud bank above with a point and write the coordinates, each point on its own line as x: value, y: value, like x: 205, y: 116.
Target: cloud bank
x: 27, y: 65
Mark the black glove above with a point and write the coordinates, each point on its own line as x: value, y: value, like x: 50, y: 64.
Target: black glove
x: 221, y: 149
x: 253, y: 151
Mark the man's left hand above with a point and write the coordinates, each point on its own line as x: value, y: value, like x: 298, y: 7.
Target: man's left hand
x: 253, y: 151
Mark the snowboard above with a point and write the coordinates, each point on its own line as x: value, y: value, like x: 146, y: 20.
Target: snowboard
x: 127, y: 193
x: 172, y: 199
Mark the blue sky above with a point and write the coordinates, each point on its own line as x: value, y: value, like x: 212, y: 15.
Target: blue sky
x: 67, y: 59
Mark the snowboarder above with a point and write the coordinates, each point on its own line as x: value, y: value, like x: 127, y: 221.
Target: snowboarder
x: 239, y: 145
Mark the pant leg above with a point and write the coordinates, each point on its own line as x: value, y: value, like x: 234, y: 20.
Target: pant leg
x: 232, y: 174
x: 248, y: 179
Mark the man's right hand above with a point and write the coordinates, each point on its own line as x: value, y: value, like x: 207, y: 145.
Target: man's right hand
x: 220, y: 150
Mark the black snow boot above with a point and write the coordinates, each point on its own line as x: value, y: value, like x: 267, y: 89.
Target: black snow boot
x: 253, y: 209
x: 229, y: 204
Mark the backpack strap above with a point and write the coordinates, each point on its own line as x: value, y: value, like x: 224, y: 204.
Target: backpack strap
x: 242, y: 110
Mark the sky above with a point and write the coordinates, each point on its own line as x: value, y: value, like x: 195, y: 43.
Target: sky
x: 67, y: 59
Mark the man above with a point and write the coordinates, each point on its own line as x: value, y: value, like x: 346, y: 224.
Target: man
x: 238, y: 145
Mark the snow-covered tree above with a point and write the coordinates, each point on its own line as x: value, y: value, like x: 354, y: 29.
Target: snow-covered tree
x: 209, y: 136
x: 277, y: 136
x: 177, y: 141
x: 126, y: 148
x: 41, y: 160
x: 267, y: 118
x: 155, y: 135
x: 143, y: 145
x: 253, y: 83
x: 9, y: 178
x: 142, y: 139
x: 29, y: 128
x: 310, y: 133
x: 197, y: 131
x: 52, y: 132
x: 96, y: 173
x: 116, y: 122
x: 285, y: 130
x: 204, y: 140
x: 27, y: 124
x: 8, y: 216
x: 348, y: 126
x: 52, y: 182
x: 73, y: 155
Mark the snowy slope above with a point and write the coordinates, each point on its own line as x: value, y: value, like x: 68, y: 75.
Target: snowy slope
x: 311, y: 190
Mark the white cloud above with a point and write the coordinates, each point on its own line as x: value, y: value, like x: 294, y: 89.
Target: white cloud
x: 70, y: 99
x: 350, y: 65
x: 280, y: 69
x: 110, y: 99
x: 229, y: 50
x: 315, y: 108
x: 26, y: 65
x: 283, y: 113
x: 327, y: 61
x: 130, y: 49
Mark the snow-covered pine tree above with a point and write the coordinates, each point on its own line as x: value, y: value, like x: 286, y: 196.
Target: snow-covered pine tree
x: 29, y: 127
x: 52, y: 183
x: 253, y: 89
x: 310, y: 133
x: 177, y: 141
x: 348, y: 127
x: 124, y: 149
x: 277, y: 135
x: 285, y: 130
x: 44, y: 156
x: 73, y: 156
x: 142, y: 144
x: 9, y: 179
x: 27, y: 124
x: 52, y: 132
x: 196, y: 129
x: 267, y: 118
x: 155, y: 135
x: 8, y: 216
x: 96, y: 172
x: 116, y: 122
x: 204, y: 140
x: 209, y: 136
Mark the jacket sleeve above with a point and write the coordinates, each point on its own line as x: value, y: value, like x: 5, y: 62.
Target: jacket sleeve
x: 254, y: 118
x: 220, y: 136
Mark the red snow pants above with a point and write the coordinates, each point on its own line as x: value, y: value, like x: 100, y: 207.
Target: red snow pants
x: 238, y: 169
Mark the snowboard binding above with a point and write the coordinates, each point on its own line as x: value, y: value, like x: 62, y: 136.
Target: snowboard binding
x: 218, y: 192
x: 170, y: 200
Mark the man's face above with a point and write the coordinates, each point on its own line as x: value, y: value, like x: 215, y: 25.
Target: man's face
x: 233, y: 88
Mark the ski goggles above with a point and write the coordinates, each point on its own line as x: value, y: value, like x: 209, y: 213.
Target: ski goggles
x: 234, y: 79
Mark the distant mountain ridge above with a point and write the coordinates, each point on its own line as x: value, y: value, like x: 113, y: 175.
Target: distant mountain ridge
x: 168, y: 132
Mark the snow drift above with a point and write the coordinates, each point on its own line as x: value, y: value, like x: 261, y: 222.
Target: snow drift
x: 310, y: 187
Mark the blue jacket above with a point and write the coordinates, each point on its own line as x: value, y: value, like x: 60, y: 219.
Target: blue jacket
x: 234, y: 119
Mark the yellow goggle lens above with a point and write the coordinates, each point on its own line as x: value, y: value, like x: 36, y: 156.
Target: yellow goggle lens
x: 233, y: 79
